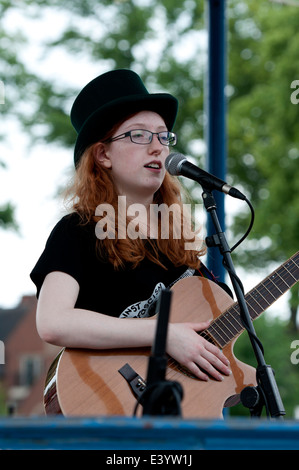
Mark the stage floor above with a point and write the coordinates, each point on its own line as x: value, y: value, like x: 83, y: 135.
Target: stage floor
x: 121, y: 433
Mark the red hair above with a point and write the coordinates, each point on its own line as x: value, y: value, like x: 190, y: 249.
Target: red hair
x: 92, y: 186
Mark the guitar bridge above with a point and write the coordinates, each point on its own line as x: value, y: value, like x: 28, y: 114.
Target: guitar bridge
x: 135, y: 381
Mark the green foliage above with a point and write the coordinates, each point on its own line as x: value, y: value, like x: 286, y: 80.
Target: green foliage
x: 7, y: 216
x: 3, y: 408
x: 139, y: 34
x: 262, y: 129
x: 263, y: 141
x: 161, y: 40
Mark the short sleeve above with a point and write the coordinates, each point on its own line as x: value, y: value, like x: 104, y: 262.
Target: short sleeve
x: 63, y: 251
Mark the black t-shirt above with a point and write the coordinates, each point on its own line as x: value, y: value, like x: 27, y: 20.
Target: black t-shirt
x: 71, y: 248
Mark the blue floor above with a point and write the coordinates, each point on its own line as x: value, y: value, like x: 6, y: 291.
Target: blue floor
x: 147, y: 433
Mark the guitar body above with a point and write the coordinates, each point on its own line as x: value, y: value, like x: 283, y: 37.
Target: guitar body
x: 88, y: 383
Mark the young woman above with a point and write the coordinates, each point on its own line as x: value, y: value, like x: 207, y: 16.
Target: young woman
x: 99, y: 265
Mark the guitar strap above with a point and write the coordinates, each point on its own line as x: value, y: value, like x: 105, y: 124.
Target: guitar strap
x: 136, y: 383
x: 203, y: 271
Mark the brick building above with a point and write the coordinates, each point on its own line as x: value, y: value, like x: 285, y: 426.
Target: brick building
x: 26, y: 359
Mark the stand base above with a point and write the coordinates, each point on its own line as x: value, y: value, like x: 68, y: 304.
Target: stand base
x: 162, y: 399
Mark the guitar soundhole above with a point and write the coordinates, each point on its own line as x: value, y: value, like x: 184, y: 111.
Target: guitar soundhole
x: 186, y: 372
x: 182, y: 369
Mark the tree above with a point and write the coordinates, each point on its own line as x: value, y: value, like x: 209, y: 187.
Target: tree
x: 162, y: 40
x: 143, y: 35
x: 262, y: 130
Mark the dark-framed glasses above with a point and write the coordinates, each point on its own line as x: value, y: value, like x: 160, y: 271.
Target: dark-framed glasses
x: 143, y: 137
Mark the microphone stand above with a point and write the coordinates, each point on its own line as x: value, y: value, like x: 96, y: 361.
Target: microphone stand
x: 161, y: 397
x: 266, y: 393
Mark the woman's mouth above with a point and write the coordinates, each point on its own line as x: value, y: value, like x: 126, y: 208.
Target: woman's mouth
x: 154, y: 165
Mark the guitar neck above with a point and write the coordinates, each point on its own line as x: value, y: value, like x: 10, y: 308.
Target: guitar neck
x: 229, y: 325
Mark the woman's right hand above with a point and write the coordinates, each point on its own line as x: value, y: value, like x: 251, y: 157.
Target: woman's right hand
x: 192, y: 351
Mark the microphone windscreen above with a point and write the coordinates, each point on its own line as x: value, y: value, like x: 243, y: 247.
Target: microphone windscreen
x: 172, y: 163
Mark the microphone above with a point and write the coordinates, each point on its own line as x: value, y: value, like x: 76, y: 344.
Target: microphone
x: 177, y: 164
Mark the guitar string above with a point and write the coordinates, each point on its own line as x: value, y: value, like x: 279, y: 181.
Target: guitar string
x: 275, y: 285
x: 206, y: 334
x: 284, y: 280
x: 263, y: 285
x: 227, y: 313
x: 292, y: 275
x: 254, y: 293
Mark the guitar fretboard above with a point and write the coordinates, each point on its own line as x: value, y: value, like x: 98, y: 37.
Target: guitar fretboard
x: 229, y: 324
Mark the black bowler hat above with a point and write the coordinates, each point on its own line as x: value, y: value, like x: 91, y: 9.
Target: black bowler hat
x: 111, y: 97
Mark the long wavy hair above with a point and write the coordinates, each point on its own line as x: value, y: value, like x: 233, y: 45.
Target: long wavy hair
x: 92, y: 185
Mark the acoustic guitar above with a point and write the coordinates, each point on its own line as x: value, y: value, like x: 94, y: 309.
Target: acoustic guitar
x: 107, y: 382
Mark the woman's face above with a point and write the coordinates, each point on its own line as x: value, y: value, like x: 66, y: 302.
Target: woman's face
x: 137, y: 170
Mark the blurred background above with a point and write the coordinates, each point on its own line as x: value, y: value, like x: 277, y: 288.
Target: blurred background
x: 50, y: 50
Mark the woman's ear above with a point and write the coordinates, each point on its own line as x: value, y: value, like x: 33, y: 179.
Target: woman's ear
x: 101, y: 155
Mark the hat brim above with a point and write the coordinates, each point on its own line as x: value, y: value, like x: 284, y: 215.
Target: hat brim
x: 97, y: 125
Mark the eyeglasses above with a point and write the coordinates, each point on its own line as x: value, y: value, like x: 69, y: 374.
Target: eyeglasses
x: 143, y: 137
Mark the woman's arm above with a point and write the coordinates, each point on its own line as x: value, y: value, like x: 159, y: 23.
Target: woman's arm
x: 60, y: 323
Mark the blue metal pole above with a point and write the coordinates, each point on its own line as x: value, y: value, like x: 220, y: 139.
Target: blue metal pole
x: 216, y: 110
